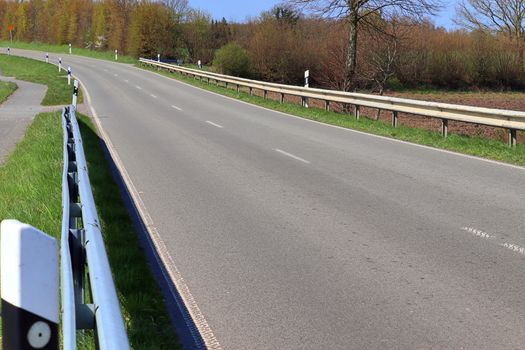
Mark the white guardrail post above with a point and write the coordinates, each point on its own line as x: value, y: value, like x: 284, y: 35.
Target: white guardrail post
x: 75, y: 94
x: 30, y: 292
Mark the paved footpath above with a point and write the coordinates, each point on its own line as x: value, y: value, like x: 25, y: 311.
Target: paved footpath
x: 18, y: 111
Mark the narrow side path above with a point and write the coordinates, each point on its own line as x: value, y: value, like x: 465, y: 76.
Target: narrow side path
x: 18, y: 111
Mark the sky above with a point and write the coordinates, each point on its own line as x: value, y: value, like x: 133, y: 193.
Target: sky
x: 240, y: 10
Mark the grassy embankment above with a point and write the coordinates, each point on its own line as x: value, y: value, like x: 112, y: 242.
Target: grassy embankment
x: 64, y: 49
x: 58, y: 92
x: 30, y: 189
x: 472, y: 145
x: 6, y: 89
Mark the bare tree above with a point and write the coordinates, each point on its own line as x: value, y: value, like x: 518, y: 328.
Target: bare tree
x: 358, y: 12
x: 506, y: 16
x: 495, y: 16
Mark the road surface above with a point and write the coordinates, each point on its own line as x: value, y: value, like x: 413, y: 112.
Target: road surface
x: 290, y: 234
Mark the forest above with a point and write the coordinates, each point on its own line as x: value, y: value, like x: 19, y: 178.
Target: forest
x: 367, y: 49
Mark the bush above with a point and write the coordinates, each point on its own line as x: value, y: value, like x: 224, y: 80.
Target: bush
x: 232, y: 59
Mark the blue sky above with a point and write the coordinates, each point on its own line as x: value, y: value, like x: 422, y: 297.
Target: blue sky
x: 239, y: 10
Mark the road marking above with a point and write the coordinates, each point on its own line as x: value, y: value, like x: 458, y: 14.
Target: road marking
x: 138, y: 87
x: 385, y: 138
x: 212, y: 123
x: 514, y: 248
x: 154, y: 96
x: 291, y: 155
x: 126, y: 80
x: 177, y: 108
x: 105, y: 70
x: 116, y: 75
x: 477, y: 233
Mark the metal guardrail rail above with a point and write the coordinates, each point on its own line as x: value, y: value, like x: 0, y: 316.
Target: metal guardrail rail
x: 511, y: 120
x: 83, y: 253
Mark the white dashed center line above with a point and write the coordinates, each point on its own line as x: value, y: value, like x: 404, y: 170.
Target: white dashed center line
x: 154, y: 96
x: 126, y: 80
x: 212, y: 123
x: 138, y: 87
x: 177, y: 108
x: 291, y: 155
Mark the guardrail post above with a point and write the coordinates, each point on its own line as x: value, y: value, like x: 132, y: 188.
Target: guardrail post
x: 327, y: 105
x: 30, y: 290
x: 378, y: 113
x: 251, y: 91
x: 394, y: 119
x: 238, y: 87
x: 265, y: 94
x: 444, y: 127
x: 281, y: 100
x: 357, y: 112
x: 513, y: 137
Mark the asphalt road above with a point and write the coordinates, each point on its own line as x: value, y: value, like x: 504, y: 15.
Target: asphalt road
x: 290, y: 234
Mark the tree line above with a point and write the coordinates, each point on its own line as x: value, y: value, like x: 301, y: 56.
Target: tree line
x: 346, y: 44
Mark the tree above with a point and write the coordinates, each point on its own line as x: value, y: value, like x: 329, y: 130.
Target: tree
x: 355, y: 13
x: 495, y: 16
x: 232, y: 59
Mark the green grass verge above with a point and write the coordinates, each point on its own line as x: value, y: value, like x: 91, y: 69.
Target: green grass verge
x: 6, y: 89
x: 30, y: 188
x: 58, y: 92
x: 64, y: 49
x: 472, y: 145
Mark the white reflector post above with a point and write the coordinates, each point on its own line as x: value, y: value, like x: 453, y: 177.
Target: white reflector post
x: 29, y: 282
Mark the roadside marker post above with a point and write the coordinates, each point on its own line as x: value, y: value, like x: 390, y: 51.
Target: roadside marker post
x: 306, y: 85
x: 47, y: 57
x: 29, y: 276
x: 116, y: 55
x: 68, y: 75
x: 158, y: 57
x: 70, y: 49
x: 8, y: 51
x: 75, y: 94
x: 60, y: 64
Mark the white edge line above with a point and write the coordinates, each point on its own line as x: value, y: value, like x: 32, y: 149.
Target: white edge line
x: 175, y: 276
x: 345, y: 129
x: 177, y: 108
x: 214, y: 124
x: 291, y: 155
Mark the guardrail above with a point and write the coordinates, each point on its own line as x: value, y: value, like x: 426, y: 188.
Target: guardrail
x: 82, y: 246
x: 511, y: 120
x: 30, y: 268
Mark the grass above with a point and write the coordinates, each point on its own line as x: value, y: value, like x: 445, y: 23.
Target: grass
x: 30, y: 188
x: 38, y: 46
x: 58, y: 92
x: 6, y: 89
x: 472, y: 145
